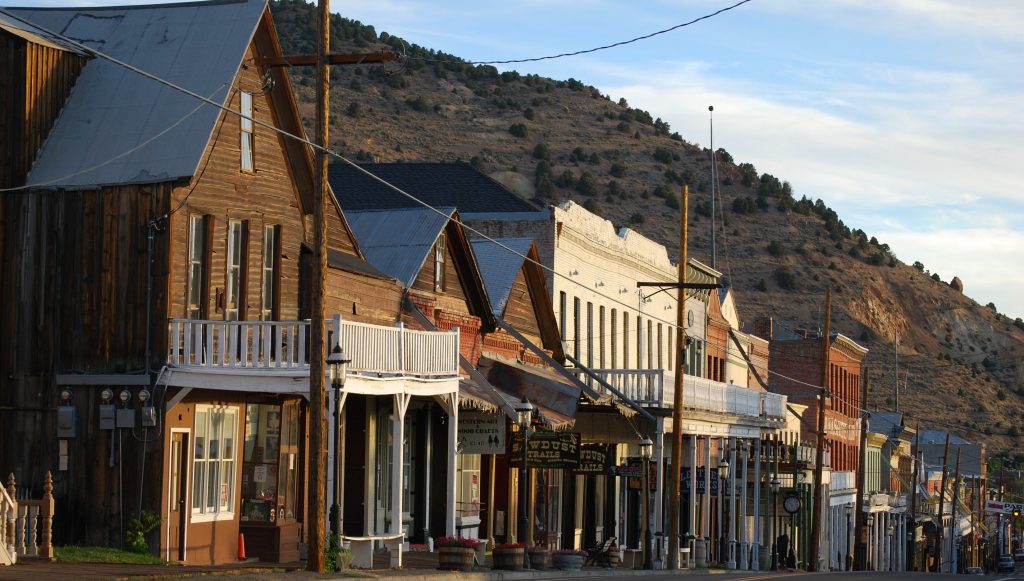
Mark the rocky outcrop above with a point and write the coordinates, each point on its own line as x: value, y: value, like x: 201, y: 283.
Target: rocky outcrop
x: 957, y: 284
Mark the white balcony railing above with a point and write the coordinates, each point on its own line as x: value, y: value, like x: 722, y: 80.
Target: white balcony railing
x: 843, y: 480
x: 282, y: 345
x: 649, y: 387
x: 644, y: 386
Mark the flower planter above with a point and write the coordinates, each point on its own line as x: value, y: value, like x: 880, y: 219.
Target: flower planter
x: 565, y: 562
x: 540, y: 559
x: 455, y: 558
x: 508, y: 559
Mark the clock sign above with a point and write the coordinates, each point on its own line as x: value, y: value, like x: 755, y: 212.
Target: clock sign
x: 791, y: 504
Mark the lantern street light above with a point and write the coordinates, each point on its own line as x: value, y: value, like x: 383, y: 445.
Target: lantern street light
x: 646, y: 449
x: 723, y: 475
x: 337, y: 372
x: 775, y: 484
x: 524, y: 413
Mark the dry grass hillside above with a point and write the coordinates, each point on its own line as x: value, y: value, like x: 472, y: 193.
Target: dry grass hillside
x: 960, y: 363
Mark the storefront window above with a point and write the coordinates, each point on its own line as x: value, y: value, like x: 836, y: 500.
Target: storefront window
x: 468, y: 478
x: 213, y: 471
x: 271, y: 464
x: 547, y: 514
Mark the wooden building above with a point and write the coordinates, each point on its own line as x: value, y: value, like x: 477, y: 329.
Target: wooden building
x: 155, y: 272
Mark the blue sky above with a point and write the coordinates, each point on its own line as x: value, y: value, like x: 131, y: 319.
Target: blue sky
x: 906, y: 116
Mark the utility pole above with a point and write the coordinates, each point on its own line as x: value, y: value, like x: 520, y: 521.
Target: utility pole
x: 952, y: 527
x: 942, y: 507
x: 315, y: 535
x: 859, y: 547
x: 819, y: 453
x: 912, y: 542
x: 677, y: 397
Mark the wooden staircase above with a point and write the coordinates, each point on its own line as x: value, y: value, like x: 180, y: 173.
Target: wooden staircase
x: 8, y: 518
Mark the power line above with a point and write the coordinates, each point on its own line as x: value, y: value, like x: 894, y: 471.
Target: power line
x: 590, y: 50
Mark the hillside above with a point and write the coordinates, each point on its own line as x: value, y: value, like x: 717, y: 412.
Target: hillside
x: 960, y: 363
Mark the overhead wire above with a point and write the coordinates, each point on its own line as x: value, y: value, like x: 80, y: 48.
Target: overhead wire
x: 357, y: 167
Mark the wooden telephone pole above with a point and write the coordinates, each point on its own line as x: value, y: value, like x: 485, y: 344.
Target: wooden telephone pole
x: 859, y: 547
x: 677, y: 396
x: 819, y: 453
x: 942, y: 507
x: 912, y: 542
x: 956, y: 495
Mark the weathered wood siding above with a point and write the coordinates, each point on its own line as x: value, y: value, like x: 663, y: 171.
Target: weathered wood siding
x: 34, y: 82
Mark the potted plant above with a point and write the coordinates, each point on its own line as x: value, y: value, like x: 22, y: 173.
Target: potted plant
x: 540, y: 557
x: 456, y: 553
x: 569, y: 559
x: 509, y: 556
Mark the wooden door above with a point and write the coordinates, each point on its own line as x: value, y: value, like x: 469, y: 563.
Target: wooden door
x: 177, y: 494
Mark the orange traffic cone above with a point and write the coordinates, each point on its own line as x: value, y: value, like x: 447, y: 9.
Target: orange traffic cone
x: 241, y: 547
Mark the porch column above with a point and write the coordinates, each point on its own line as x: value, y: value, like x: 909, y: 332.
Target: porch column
x: 397, y: 469
x: 744, y: 545
x: 755, y: 541
x: 693, y: 497
x: 453, y: 444
x: 706, y: 501
x: 734, y: 468
x: 659, y: 480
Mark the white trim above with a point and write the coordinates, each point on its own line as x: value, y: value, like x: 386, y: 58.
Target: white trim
x: 218, y: 515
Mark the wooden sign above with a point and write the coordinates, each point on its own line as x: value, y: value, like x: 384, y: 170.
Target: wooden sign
x: 593, y: 459
x: 546, y: 450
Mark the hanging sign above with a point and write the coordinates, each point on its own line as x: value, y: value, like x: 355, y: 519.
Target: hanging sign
x: 593, y: 459
x: 547, y: 450
x: 481, y: 433
x: 701, y: 484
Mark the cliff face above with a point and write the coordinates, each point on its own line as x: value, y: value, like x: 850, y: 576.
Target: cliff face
x: 959, y: 363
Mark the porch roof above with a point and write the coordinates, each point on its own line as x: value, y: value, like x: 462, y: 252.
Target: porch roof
x: 556, y: 397
x: 480, y: 398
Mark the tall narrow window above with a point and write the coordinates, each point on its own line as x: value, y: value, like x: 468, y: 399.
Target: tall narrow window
x: 625, y: 340
x: 600, y: 334
x: 661, y: 362
x: 234, y: 299
x: 590, y: 334
x: 615, y: 338
x: 563, y: 308
x: 439, y: 248
x: 639, y: 342
x: 671, y: 332
x: 245, y: 109
x: 271, y: 273
x: 576, y: 328
x: 197, y: 267
x: 213, y: 462
x: 650, y: 344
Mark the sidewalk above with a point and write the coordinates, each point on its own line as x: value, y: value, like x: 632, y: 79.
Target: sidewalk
x: 419, y: 567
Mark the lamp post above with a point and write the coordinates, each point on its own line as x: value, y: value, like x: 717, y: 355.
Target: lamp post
x: 723, y: 475
x: 524, y: 413
x: 847, y: 562
x: 646, y: 448
x: 775, y: 484
x: 337, y: 371
x: 870, y: 551
x: 888, y: 539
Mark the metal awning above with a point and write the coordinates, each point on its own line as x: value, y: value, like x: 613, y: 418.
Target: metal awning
x: 554, y: 395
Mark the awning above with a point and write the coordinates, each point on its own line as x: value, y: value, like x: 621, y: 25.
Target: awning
x: 473, y: 396
x: 555, y: 397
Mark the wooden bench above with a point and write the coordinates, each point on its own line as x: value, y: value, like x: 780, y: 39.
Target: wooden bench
x: 362, y: 549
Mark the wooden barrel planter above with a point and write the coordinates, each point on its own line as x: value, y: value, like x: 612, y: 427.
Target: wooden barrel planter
x: 455, y: 558
x: 540, y: 559
x: 508, y: 559
x: 567, y: 561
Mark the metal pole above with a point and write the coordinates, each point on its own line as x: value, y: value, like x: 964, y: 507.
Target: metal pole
x: 774, y: 450
x: 819, y: 453
x: 912, y: 536
x: 524, y: 476
x: 336, y: 468
x: 675, y: 488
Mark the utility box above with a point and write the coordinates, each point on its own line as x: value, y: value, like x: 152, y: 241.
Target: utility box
x: 107, y: 416
x: 148, y: 416
x: 126, y: 418
x: 66, y: 422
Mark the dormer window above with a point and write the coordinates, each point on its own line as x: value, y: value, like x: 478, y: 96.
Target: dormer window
x: 245, y: 108
x: 439, y: 263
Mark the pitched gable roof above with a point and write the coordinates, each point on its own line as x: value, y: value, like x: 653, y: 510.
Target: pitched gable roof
x: 112, y: 111
x: 398, y: 242
x: 439, y: 184
x: 500, y: 267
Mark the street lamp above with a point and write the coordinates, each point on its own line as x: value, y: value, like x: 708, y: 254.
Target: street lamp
x: 337, y: 372
x: 847, y: 563
x: 869, y: 550
x: 646, y: 449
x: 775, y: 484
x: 524, y: 415
x: 889, y: 551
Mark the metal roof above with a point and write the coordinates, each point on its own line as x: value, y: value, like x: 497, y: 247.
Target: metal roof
x: 398, y: 242
x: 35, y: 35
x: 500, y: 267
x: 111, y: 110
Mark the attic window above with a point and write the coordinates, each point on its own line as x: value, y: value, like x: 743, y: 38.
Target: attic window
x: 439, y: 263
x: 245, y: 109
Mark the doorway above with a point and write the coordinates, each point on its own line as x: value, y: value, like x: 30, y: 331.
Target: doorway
x: 177, y: 494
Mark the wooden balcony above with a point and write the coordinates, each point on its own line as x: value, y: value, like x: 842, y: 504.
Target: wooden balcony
x: 280, y: 347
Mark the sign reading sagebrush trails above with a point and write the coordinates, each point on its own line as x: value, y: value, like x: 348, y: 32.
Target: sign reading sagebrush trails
x: 547, y: 450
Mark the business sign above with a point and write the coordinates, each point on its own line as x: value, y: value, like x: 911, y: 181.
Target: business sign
x: 701, y: 484
x: 593, y: 459
x: 1000, y: 507
x: 546, y: 450
x: 481, y: 433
